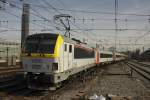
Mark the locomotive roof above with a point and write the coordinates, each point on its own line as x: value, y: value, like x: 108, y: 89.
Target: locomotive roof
x: 43, y: 35
x: 53, y: 35
x: 69, y: 40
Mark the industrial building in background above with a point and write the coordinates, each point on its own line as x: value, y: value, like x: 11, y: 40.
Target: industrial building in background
x: 9, y: 51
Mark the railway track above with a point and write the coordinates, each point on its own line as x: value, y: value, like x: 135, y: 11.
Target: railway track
x: 9, y: 72
x: 80, y: 80
x: 76, y: 84
x: 11, y: 81
x: 140, y: 68
x: 14, y: 83
x: 80, y: 92
x: 17, y: 86
x: 9, y: 68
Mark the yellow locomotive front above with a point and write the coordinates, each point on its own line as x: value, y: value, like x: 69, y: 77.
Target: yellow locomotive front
x: 40, y: 57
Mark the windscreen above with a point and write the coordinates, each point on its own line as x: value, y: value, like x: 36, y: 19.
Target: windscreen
x: 40, y: 44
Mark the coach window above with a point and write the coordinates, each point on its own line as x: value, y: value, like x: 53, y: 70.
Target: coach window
x: 70, y: 48
x: 65, y: 47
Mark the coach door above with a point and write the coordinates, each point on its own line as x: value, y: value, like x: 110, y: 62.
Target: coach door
x: 70, y: 57
x: 66, y: 54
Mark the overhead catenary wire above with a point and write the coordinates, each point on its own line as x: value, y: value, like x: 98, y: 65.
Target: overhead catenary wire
x: 12, y: 14
x: 77, y: 19
x: 57, y: 10
x: 30, y: 30
x: 90, y: 11
x: 116, y: 23
x: 116, y: 8
x: 35, y: 14
x: 85, y: 30
x: 54, y: 8
x: 140, y: 37
x: 116, y: 13
x: 61, y: 3
x: 78, y: 28
x: 112, y: 19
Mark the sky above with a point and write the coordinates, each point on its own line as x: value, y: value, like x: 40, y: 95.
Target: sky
x: 131, y: 14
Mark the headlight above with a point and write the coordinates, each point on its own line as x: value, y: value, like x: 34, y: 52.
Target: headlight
x: 55, y: 66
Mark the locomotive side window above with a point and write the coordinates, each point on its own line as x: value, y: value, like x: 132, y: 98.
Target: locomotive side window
x: 82, y: 53
x: 70, y: 48
x: 118, y: 56
x: 65, y: 47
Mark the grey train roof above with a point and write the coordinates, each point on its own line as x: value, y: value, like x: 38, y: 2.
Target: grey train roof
x: 66, y: 39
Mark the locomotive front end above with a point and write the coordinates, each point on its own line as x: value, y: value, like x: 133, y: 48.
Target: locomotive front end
x: 40, y: 59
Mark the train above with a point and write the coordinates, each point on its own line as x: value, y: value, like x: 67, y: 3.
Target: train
x: 48, y: 59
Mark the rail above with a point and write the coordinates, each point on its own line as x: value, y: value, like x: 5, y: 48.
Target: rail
x: 141, y: 69
x: 9, y: 68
